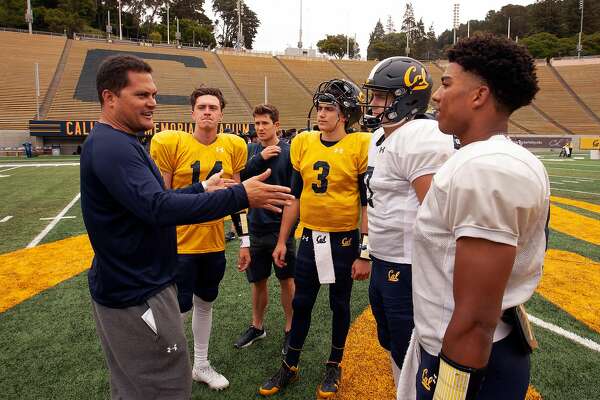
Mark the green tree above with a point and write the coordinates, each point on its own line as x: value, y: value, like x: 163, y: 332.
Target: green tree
x: 12, y: 13
x: 335, y: 45
x: 196, y: 33
x: 547, y: 17
x: 155, y: 36
x: 375, y: 41
x: 227, y: 23
x: 543, y: 45
x: 392, y: 44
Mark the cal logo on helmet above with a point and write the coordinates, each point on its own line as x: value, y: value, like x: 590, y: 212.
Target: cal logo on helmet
x: 416, y: 81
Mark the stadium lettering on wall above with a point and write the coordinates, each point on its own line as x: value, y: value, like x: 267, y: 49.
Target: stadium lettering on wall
x: 81, y: 128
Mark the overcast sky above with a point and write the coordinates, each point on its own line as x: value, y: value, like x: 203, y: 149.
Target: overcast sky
x: 280, y: 18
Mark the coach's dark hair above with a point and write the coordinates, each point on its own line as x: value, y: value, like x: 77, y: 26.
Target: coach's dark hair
x: 203, y: 91
x: 112, y: 74
x: 267, y: 109
x: 505, y: 66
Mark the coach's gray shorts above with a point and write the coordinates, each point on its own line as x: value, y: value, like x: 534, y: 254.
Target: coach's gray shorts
x: 144, y: 364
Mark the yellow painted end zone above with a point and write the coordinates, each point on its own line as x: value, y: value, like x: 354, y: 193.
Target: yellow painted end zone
x: 27, y: 272
x: 572, y: 282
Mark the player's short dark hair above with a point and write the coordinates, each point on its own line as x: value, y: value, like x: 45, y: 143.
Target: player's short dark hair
x: 267, y: 109
x: 506, y: 67
x: 113, y: 73
x: 207, y: 91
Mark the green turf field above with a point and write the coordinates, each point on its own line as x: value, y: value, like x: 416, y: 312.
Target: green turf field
x: 49, y: 348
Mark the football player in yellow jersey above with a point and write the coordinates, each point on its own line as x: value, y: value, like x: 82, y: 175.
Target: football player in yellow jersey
x: 184, y: 159
x: 327, y: 181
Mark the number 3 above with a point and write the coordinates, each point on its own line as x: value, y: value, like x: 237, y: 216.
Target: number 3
x: 322, y: 177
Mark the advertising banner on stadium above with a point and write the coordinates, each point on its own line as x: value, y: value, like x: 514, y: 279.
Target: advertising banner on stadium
x: 589, y: 143
x: 79, y: 128
x: 542, y: 142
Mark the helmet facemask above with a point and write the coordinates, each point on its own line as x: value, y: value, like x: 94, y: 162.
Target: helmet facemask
x: 407, y: 85
x: 343, y: 94
x: 392, y: 112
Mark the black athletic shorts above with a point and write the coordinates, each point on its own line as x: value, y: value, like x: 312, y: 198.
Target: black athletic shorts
x: 261, y: 257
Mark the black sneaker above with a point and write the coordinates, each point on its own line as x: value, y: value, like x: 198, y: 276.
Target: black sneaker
x: 331, y: 382
x: 286, y: 342
x: 250, y: 336
x: 280, y: 380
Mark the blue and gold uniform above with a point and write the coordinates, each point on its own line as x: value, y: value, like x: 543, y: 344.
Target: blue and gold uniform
x: 200, y: 247
x: 328, y: 180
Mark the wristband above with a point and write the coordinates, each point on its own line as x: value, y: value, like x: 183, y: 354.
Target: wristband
x: 240, y: 223
x: 245, y: 241
x: 364, y: 247
x: 456, y: 381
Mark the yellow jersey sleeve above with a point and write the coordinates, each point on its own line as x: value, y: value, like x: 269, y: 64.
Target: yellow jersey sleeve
x: 364, y: 139
x: 296, y: 150
x: 239, y: 153
x: 163, y: 150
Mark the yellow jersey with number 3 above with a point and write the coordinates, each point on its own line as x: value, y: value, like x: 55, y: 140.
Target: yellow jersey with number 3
x: 330, y: 199
x: 189, y: 161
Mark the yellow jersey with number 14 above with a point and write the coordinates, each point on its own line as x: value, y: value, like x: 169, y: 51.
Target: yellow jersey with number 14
x: 330, y: 199
x: 189, y: 161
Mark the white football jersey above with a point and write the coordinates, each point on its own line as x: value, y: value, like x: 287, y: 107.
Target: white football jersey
x: 494, y: 190
x: 415, y: 149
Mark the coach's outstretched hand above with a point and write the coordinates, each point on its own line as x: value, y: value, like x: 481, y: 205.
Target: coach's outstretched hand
x: 216, y: 182
x: 269, y: 197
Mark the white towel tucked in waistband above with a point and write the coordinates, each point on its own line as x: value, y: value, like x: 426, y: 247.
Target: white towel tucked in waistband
x: 407, y: 381
x: 323, y: 257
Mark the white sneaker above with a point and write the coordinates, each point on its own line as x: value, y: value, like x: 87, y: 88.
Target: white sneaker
x: 208, y: 375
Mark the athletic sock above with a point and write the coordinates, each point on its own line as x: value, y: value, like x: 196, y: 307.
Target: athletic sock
x: 201, y: 327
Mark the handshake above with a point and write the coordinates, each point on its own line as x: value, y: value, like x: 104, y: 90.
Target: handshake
x: 260, y: 194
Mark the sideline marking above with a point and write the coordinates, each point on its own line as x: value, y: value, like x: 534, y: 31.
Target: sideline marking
x: 48, y: 219
x: 53, y: 223
x: 578, y: 191
x: 6, y: 218
x: 4, y: 170
x: 72, y: 164
x: 590, y: 344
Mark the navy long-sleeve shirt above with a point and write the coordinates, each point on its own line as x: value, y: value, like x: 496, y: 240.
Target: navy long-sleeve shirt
x: 131, y: 218
x: 262, y: 221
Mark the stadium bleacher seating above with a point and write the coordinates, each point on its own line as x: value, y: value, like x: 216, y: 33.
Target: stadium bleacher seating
x: 357, y: 70
x: 20, y: 52
x: 558, y: 103
x: 172, y: 78
x: 584, y: 79
x: 287, y: 95
x: 311, y: 72
x: 241, y: 77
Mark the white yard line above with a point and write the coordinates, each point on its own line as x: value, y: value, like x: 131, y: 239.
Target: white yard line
x: 48, y: 219
x: 4, y: 170
x: 578, y: 191
x: 570, y: 177
x: 71, y: 164
x: 571, y: 169
x: 590, y: 344
x: 6, y: 218
x: 53, y: 223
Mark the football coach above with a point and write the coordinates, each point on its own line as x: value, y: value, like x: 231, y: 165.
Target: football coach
x: 131, y: 219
